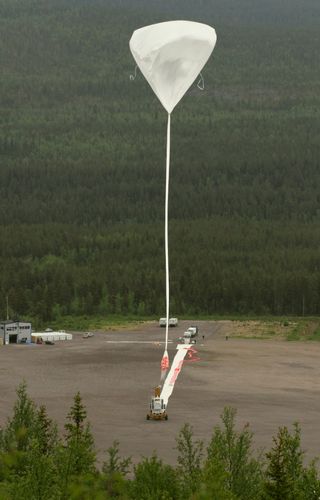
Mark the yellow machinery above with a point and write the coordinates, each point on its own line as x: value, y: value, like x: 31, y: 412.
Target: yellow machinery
x: 157, y: 407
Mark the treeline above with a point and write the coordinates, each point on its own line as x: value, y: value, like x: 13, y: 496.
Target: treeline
x: 82, y: 164
x: 36, y: 463
x: 218, y: 266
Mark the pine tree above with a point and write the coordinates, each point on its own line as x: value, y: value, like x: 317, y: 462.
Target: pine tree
x: 285, y: 469
x: 76, y: 456
x: 79, y: 439
x: 47, y: 432
x: 20, y: 428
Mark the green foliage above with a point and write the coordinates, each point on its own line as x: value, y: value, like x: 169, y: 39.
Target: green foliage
x: 190, y: 454
x: 315, y: 335
x: 310, y: 483
x: 295, y: 334
x: 38, y: 479
x: 27, y: 468
x: 153, y: 480
x: 233, y: 451
x: 115, y: 464
x: 287, y: 477
x: 77, y: 419
x: 115, y: 469
x: 214, y: 484
x: 87, y: 487
x: 20, y: 429
x: 46, y: 432
x: 79, y: 452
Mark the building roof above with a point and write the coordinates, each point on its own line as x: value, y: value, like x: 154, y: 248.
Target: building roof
x: 11, y: 322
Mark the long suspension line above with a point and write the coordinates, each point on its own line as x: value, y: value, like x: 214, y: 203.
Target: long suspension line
x: 166, y: 229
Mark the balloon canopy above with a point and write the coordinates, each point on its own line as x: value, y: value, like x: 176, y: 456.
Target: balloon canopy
x: 171, y: 55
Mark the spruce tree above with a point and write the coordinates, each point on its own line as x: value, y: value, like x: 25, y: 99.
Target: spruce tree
x: 285, y: 471
x: 47, y: 432
x: 79, y: 439
x: 20, y: 429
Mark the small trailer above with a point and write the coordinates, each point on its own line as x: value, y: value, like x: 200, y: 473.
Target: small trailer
x: 193, y: 330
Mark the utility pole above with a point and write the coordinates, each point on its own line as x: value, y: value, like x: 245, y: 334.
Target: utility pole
x: 7, y: 298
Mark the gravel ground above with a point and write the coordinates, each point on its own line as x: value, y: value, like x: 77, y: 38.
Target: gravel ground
x: 271, y: 383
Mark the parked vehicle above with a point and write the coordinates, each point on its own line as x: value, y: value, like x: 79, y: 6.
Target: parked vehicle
x: 193, y: 330
x: 187, y: 339
x: 162, y: 321
x: 189, y: 336
x: 87, y: 335
x: 172, y: 322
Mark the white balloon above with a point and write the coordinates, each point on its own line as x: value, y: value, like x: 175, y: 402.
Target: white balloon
x: 171, y: 55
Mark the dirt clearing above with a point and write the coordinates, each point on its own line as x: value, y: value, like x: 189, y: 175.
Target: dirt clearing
x: 270, y: 382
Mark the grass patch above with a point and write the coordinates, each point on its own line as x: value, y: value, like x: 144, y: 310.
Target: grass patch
x: 261, y: 329
x: 88, y: 323
x: 254, y: 337
x: 315, y: 336
x: 306, y: 330
x: 291, y: 329
x: 296, y: 333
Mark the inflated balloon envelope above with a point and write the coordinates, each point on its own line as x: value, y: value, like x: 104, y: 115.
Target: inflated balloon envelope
x: 171, y: 55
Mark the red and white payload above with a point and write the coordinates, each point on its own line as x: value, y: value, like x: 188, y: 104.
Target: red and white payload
x: 182, y: 351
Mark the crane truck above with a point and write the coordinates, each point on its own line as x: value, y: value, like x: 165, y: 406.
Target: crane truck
x: 157, y: 407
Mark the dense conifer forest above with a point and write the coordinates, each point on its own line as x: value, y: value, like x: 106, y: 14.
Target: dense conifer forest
x: 82, y: 162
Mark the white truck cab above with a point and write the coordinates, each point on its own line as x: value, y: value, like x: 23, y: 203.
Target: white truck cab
x: 193, y: 330
x: 187, y: 338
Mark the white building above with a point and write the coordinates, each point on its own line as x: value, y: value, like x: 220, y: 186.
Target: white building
x: 50, y: 336
x: 15, y: 332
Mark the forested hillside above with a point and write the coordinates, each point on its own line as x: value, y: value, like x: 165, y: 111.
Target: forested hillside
x: 82, y: 162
